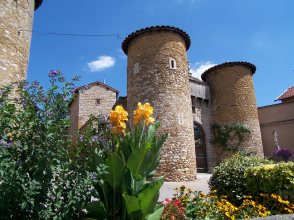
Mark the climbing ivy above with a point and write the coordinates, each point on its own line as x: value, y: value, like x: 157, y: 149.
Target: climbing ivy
x: 222, y: 135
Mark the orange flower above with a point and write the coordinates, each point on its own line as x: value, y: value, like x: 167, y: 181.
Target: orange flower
x: 143, y: 112
x: 117, y: 118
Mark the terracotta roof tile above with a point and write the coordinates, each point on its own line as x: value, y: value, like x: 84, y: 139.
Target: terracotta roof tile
x: 128, y: 39
x: 250, y: 65
x: 287, y: 94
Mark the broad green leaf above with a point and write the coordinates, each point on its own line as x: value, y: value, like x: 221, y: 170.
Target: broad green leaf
x: 159, y: 142
x: 116, y: 171
x: 157, y: 213
x: 125, y: 149
x: 135, y: 186
x: 96, y: 161
x: 148, y: 198
x: 140, y: 160
x: 132, y: 205
x: 148, y: 136
x: 97, y: 208
x: 159, y: 179
x: 129, y: 138
x: 152, y: 169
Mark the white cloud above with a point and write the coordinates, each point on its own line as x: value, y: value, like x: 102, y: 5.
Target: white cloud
x: 122, y: 54
x: 102, y: 63
x: 199, y: 67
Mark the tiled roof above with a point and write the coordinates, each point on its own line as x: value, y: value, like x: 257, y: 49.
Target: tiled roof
x: 250, y: 65
x: 38, y: 3
x: 287, y: 94
x: 128, y: 39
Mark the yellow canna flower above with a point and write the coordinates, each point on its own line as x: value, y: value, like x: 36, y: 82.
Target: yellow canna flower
x: 143, y: 112
x: 117, y: 118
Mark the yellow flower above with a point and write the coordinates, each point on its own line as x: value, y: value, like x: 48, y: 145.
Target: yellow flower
x: 143, y: 112
x: 246, y: 216
x: 117, y: 118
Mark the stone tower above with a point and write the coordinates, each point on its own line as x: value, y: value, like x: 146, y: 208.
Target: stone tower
x: 157, y: 73
x: 15, y: 17
x: 233, y: 101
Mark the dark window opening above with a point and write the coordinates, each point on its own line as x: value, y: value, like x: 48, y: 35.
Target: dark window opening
x: 98, y: 101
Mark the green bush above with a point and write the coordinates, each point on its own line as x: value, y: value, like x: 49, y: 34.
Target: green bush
x: 228, y: 177
x: 39, y: 179
x: 271, y: 179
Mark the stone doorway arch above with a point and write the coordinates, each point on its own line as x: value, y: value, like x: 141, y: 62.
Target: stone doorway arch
x: 200, y: 148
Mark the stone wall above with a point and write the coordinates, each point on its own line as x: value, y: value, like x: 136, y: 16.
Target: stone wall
x: 233, y: 101
x: 15, y: 16
x: 98, y: 99
x: 157, y: 73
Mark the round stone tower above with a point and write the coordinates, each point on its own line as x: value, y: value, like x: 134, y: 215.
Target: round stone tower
x: 15, y: 18
x: 157, y: 73
x: 233, y: 101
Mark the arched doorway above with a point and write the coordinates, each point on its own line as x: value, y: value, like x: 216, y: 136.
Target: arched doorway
x: 200, y: 148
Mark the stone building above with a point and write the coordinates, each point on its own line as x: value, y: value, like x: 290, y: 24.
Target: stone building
x: 157, y: 73
x: 16, y: 21
x: 98, y: 99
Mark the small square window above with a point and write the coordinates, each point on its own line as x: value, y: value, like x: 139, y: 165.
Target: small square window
x: 98, y: 101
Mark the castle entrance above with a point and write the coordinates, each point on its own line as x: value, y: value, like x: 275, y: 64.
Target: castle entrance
x: 200, y: 148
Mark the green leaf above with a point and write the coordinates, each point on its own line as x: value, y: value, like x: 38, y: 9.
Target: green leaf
x: 42, y: 165
x: 157, y: 213
x: 116, y: 171
x: 152, y: 169
x: 148, y: 136
x: 159, y: 179
x: 97, y: 208
x: 96, y: 161
x: 135, y: 186
x: 140, y: 160
x: 159, y: 142
x: 125, y: 149
x: 129, y: 138
x: 132, y: 205
x: 148, y: 198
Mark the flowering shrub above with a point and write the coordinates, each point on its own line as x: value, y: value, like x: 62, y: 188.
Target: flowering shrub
x: 39, y: 178
x: 197, y: 205
x: 228, y: 177
x: 285, y: 153
x: 271, y: 179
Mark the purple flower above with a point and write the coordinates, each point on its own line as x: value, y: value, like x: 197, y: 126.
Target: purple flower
x: 10, y: 143
x: 2, y: 141
x: 15, y: 99
x: 96, y: 136
x: 81, y: 138
x: 49, y: 113
x: 2, y: 91
x: 53, y: 73
x: 64, y: 98
x: 5, y: 147
x: 19, y: 161
x: 93, y: 140
x: 33, y: 182
x: 91, y: 173
x: 94, y: 176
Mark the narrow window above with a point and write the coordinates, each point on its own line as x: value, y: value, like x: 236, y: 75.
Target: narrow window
x: 136, y: 68
x: 172, y: 63
x: 180, y: 118
x: 98, y: 101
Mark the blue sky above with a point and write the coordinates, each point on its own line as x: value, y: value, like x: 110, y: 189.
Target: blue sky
x: 256, y: 31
